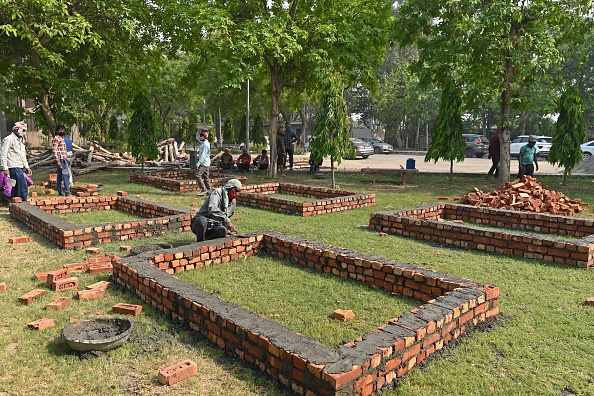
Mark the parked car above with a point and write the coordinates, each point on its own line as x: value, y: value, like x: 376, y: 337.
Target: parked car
x: 363, y: 149
x: 379, y: 147
x: 476, y: 145
x: 588, y: 148
x: 543, y: 145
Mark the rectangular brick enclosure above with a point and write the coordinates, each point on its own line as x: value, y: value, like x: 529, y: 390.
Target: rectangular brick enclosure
x: 449, y: 307
x: 502, y: 236
x: 182, y: 180
x: 324, y: 200
x: 156, y: 219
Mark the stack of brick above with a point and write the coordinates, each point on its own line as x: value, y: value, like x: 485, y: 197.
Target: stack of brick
x: 526, y: 194
x: 452, y: 306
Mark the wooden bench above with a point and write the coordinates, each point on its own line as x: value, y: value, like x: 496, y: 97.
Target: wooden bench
x: 402, y: 172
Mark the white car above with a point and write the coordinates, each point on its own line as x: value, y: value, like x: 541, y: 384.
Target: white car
x: 543, y: 145
x: 588, y: 148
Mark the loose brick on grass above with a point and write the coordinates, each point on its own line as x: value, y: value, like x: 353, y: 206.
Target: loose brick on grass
x: 56, y: 275
x: 58, y: 304
x: 589, y: 301
x: 77, y: 268
x: 125, y: 248
x: 99, y: 285
x: 127, y: 309
x: 101, y: 267
x: 41, y: 276
x: 22, y: 239
x: 343, y: 314
x: 93, y: 251
x: 41, y: 324
x: 2, y: 287
x: 178, y: 372
x: 90, y: 294
x: 64, y: 284
x: 29, y: 297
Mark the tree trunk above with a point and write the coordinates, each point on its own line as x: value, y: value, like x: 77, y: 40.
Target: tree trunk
x: 303, y: 117
x: 275, y: 91
x: 43, y: 96
x: 564, y: 176
x: 332, y: 171
x: 451, y: 172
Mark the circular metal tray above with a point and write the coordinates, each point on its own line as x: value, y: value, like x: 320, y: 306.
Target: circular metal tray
x: 101, y: 334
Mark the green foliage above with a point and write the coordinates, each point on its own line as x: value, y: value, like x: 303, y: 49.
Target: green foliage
x: 570, y: 131
x: 114, y: 129
x: 142, y: 133
x: 446, y: 134
x: 229, y: 130
x: 258, y: 134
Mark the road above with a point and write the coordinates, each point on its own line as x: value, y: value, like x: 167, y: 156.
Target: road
x: 470, y: 165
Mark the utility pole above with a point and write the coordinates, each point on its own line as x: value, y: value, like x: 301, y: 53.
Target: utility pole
x: 247, y: 116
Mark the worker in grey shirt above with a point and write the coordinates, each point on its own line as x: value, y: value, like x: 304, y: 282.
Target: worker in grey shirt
x: 13, y: 159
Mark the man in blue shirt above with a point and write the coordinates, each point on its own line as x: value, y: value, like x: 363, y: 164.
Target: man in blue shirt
x: 203, y: 165
x: 68, y: 143
x: 527, y: 157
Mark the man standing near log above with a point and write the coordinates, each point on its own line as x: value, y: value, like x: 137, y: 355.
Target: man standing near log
x: 61, y: 157
x: 203, y: 165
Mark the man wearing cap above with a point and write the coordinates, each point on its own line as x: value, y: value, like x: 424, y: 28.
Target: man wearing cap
x: 213, y: 220
x: 14, y: 160
x: 203, y: 165
x: 226, y: 159
x: 244, y: 162
x: 527, y: 157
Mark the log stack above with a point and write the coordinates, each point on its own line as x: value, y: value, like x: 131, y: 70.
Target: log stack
x: 526, y: 194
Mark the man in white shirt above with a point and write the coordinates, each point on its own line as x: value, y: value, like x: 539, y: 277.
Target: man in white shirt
x: 13, y: 159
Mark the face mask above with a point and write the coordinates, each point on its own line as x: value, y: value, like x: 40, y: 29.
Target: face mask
x: 20, y: 134
x: 61, y: 133
x: 232, y: 196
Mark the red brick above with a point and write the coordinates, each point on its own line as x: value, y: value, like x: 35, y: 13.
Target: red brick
x: 178, y: 372
x: 2, y: 287
x: 343, y: 315
x: 28, y: 297
x: 41, y: 324
x: 56, y: 275
x: 589, y: 301
x: 76, y: 268
x: 125, y: 248
x: 99, y: 285
x: 17, y: 200
x: 338, y: 380
x: 93, y: 250
x: 58, y: 304
x: 23, y: 239
x: 127, y: 309
x: 102, y: 267
x: 99, y: 260
x: 64, y: 284
x: 41, y: 276
x: 90, y: 294
x: 122, y: 193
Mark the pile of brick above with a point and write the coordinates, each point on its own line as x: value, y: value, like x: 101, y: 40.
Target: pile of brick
x: 88, y: 190
x: 526, y: 194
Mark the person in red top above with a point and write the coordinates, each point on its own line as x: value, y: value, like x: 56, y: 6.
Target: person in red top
x: 61, y: 157
x: 494, y: 155
x: 244, y: 162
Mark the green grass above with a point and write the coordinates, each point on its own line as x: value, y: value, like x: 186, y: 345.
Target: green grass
x: 294, y: 197
x: 527, y: 232
x: 301, y: 299
x: 545, y: 346
x: 96, y: 217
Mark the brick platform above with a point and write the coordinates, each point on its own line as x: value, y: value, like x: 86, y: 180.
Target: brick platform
x: 450, y: 306
x: 157, y: 219
x: 324, y: 200
x: 427, y: 223
x: 183, y: 180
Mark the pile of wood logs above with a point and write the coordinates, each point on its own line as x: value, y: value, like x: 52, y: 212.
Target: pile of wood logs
x: 97, y: 157
x: 526, y: 194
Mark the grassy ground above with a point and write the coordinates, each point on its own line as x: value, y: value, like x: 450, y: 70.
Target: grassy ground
x: 544, y: 347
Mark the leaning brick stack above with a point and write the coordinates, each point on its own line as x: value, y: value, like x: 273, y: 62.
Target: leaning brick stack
x: 527, y: 195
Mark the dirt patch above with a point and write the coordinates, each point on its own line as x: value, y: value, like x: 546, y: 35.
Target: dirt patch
x: 149, y: 339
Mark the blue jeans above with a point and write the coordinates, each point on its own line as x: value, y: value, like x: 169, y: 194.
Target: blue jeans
x: 21, y: 189
x: 63, y: 175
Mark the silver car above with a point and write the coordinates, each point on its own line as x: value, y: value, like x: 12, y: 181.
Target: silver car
x: 363, y: 149
x: 379, y: 147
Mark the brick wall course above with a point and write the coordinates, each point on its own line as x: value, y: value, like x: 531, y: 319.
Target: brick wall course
x: 324, y: 200
x: 427, y: 223
x: 181, y: 180
x: 450, y: 307
x: 158, y: 219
